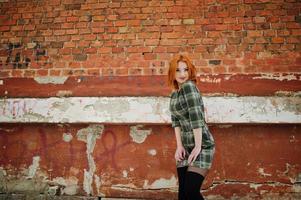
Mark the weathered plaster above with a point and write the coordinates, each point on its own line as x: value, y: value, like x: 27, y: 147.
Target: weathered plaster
x: 70, y: 185
x: 246, y: 109
x: 90, y: 135
x: 138, y: 135
x: 152, y: 152
x: 161, y: 183
x: 279, y: 77
x: 34, y: 167
x: 67, y: 137
x: 51, y: 79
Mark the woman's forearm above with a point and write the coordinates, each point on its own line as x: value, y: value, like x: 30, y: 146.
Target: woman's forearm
x: 178, y: 136
x: 197, y: 137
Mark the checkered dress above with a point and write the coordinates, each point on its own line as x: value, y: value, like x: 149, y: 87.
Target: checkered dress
x: 187, y: 112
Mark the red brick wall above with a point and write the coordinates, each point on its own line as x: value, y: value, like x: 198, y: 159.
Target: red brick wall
x: 125, y: 38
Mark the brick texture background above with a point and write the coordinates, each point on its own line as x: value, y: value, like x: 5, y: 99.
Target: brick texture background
x: 129, y: 38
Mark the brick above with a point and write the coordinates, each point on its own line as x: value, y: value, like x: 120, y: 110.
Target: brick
x: 80, y: 57
x: 94, y: 72
x: 296, y: 32
x: 72, y: 32
x: 214, y: 62
x: 261, y: 40
x: 188, y: 21
x: 219, y: 69
x: 121, y: 71
x: 104, y: 50
x: 27, y: 15
x: 91, y: 50
x: 160, y: 49
x: 257, y: 47
x: 107, y: 72
x: 65, y: 51
x: 59, y: 32
x: 46, y: 32
x: 234, y: 40
x: 42, y: 72
x: 277, y: 40
x: 134, y: 22
x: 72, y: 19
x: 293, y: 25
x: 74, y: 65
x: 252, y: 33
x: 117, y: 50
x: 98, y: 30
x: 54, y: 72
x: 83, y: 31
x: 149, y: 56
x: 4, y: 28
x: 123, y: 29
x: 67, y: 25
x: 84, y: 44
x: 293, y: 40
x: 29, y: 73
x: 152, y: 42
x: 283, y: 33
x: 259, y: 19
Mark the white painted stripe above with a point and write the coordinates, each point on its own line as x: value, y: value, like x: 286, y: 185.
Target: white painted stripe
x: 147, y: 110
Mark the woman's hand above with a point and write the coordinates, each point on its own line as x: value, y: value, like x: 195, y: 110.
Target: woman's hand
x: 180, y: 153
x: 194, y: 154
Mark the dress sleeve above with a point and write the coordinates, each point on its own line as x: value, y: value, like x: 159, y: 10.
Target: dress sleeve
x: 193, y: 100
x: 174, y: 121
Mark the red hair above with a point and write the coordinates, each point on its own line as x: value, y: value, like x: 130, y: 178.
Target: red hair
x: 173, y: 64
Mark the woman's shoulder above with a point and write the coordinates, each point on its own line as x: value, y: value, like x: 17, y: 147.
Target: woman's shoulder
x: 173, y: 92
x: 189, y: 84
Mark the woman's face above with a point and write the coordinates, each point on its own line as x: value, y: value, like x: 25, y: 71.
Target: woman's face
x: 182, y: 73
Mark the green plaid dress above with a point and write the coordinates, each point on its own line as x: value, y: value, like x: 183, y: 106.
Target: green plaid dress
x: 187, y: 112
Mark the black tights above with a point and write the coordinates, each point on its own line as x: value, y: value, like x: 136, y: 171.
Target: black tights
x: 189, y: 184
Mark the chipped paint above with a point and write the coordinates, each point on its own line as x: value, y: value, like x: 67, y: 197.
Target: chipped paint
x: 261, y: 172
x: 245, y: 109
x: 286, y: 94
x: 97, y: 183
x: 124, y: 187
x: 210, y: 80
x: 64, y: 93
x: 90, y: 135
x: 139, y: 135
x: 279, y: 77
x: 124, y: 173
x: 62, y: 105
x: 70, y: 185
x: 255, y: 186
x: 118, y: 175
x: 67, y: 137
x: 51, y: 79
x: 152, y: 152
x: 34, y: 167
x: 296, y: 188
x: 161, y: 183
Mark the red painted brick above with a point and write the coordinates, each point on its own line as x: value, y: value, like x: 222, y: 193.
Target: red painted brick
x: 296, y: 32
x: 278, y: 40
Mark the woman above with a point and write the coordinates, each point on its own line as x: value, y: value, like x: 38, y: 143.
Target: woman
x: 195, y: 144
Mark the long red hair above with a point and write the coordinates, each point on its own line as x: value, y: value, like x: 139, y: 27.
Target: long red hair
x: 173, y: 64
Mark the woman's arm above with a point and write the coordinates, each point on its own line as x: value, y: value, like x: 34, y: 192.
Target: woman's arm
x: 198, y: 145
x: 180, y: 151
x: 178, y: 136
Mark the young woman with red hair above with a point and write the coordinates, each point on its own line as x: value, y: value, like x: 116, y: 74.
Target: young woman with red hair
x: 195, y: 144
